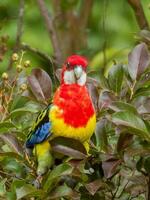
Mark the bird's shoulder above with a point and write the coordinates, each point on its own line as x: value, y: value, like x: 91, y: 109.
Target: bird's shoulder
x: 40, y: 129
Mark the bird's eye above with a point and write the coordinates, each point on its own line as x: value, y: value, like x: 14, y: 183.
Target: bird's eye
x: 68, y: 65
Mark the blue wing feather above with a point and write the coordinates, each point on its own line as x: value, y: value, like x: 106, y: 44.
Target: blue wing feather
x: 41, y: 129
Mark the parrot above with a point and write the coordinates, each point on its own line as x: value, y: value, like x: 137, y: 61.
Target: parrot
x: 70, y: 115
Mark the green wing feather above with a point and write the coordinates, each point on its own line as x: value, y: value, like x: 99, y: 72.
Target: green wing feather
x: 40, y: 129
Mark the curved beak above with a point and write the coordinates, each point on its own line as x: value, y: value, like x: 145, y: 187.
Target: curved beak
x: 78, y: 71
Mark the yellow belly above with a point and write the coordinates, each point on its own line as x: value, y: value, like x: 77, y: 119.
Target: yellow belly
x: 60, y: 128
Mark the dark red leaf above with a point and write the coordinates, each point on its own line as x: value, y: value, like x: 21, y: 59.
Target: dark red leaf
x: 13, y: 143
x: 94, y: 186
x: 105, y: 99
x: 101, y: 135
x: 124, y: 140
x: 139, y: 60
x: 40, y: 84
x: 58, y: 74
x: 110, y: 167
x: 92, y: 85
x: 69, y: 147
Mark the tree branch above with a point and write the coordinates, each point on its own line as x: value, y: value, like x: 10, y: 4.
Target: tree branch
x: 51, y: 30
x: 36, y: 51
x: 85, y: 12
x: 27, y: 47
x: 139, y: 13
x: 19, y: 25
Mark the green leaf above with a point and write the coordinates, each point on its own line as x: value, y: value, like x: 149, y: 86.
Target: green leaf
x: 28, y: 191
x: 142, y: 92
x: 11, y: 155
x: 12, y: 142
x: 61, y: 191
x: 122, y: 106
x: 115, y: 78
x: 147, y: 164
x: 2, y: 187
x: 54, y: 176
x: 139, y: 164
x: 132, y: 122
x: 138, y: 61
x: 21, y: 111
x: 6, y: 126
x: 11, y: 195
x: 18, y: 102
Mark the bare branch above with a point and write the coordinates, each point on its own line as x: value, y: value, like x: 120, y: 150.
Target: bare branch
x: 139, y: 13
x: 19, y: 25
x: 36, y: 51
x: 85, y: 12
x: 51, y: 30
x: 27, y: 47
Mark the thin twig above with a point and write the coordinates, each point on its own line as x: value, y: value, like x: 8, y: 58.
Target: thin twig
x: 139, y: 13
x: 51, y: 30
x: 37, y: 52
x: 148, y: 193
x: 43, y: 55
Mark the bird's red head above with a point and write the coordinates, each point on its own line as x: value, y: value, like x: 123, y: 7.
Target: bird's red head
x: 76, y: 60
x: 74, y: 70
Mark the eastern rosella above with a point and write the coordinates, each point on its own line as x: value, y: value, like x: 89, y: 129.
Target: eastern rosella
x: 70, y: 115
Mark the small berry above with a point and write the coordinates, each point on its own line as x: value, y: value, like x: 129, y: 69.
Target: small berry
x: 27, y: 63
x: 23, y: 87
x: 15, y: 57
x: 19, y: 68
x: 5, y: 76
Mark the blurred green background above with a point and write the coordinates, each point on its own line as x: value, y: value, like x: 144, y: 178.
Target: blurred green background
x: 112, y: 28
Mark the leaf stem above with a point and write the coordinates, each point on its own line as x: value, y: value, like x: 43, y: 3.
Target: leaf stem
x: 132, y: 89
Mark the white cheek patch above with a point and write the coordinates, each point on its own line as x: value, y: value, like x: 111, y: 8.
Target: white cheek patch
x: 82, y: 80
x: 69, y: 77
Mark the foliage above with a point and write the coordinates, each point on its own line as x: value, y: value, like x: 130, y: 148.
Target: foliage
x: 110, y: 29
x: 118, y: 166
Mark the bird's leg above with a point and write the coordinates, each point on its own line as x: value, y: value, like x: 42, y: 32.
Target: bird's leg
x: 86, y: 146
